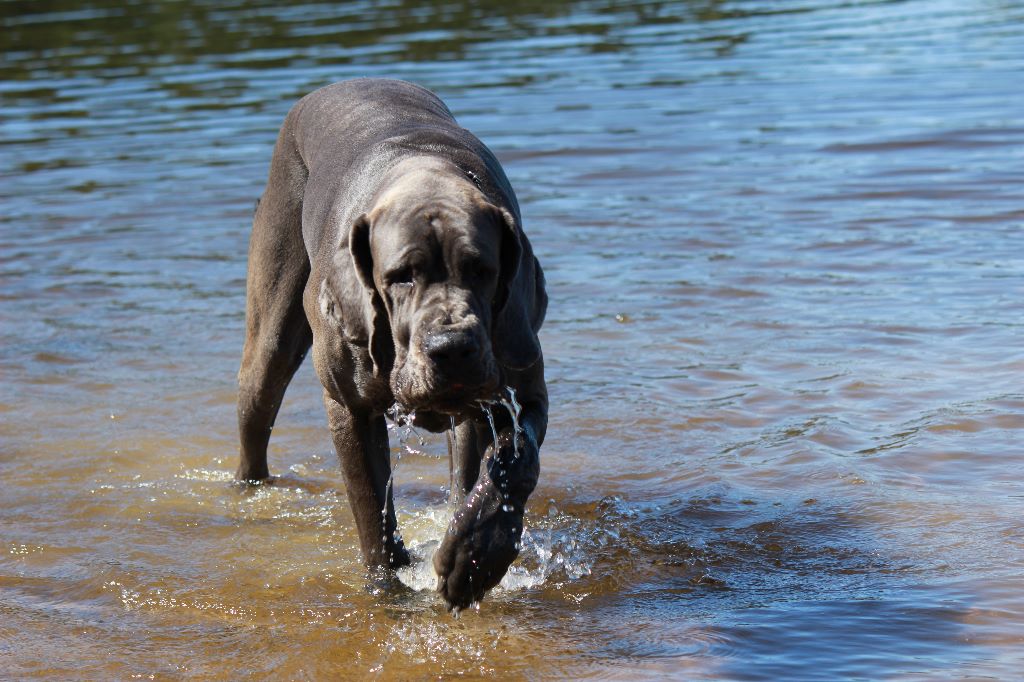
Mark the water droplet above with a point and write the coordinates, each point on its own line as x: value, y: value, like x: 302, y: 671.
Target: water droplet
x: 494, y: 430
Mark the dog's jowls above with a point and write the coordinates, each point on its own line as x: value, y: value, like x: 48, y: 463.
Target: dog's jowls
x: 389, y: 240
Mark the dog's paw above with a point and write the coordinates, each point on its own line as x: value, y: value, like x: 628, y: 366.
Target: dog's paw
x: 484, y: 536
x: 481, y: 542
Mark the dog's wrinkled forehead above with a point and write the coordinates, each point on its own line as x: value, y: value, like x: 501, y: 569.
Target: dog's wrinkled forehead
x: 428, y: 222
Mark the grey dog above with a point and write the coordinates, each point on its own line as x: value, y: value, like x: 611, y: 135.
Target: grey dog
x: 389, y: 239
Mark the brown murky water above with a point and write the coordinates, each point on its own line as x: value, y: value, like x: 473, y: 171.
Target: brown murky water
x: 784, y: 252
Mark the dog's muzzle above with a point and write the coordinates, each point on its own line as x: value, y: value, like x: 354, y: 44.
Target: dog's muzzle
x: 454, y: 355
x: 451, y: 369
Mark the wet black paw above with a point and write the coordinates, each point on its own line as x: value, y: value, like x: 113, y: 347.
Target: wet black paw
x: 484, y: 536
x: 481, y: 543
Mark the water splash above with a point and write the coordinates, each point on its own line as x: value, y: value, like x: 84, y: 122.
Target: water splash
x: 558, y: 551
x: 400, y: 423
x: 486, y: 407
x: 497, y: 468
x: 424, y: 529
x: 514, y: 411
x: 547, y: 556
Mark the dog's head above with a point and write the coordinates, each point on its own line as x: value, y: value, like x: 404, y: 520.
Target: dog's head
x: 438, y: 264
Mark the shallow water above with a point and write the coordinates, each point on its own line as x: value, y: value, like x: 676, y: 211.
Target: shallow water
x: 784, y: 253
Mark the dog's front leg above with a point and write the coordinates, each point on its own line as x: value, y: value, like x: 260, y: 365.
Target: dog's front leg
x: 484, y: 536
x: 362, y: 444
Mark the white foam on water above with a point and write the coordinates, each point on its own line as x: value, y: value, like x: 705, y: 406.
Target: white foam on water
x: 207, y: 475
x: 547, y: 554
x: 423, y: 531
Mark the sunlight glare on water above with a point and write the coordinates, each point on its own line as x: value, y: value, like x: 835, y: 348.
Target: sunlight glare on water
x: 784, y: 256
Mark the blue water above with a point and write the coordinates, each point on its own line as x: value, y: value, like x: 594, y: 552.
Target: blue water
x: 784, y: 255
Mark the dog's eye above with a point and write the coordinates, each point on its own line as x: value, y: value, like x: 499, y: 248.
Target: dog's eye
x: 476, y: 271
x: 400, y: 278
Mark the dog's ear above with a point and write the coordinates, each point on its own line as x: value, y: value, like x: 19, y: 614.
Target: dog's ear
x: 520, y: 301
x: 381, y: 346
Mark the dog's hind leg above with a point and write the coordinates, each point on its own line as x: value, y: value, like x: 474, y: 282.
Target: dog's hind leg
x: 277, y: 332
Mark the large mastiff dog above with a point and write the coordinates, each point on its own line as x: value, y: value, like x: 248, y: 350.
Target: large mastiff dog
x: 389, y: 239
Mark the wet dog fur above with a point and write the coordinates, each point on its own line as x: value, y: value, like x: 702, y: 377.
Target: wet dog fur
x: 389, y: 241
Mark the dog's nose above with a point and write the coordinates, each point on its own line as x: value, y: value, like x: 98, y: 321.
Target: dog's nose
x: 451, y: 350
